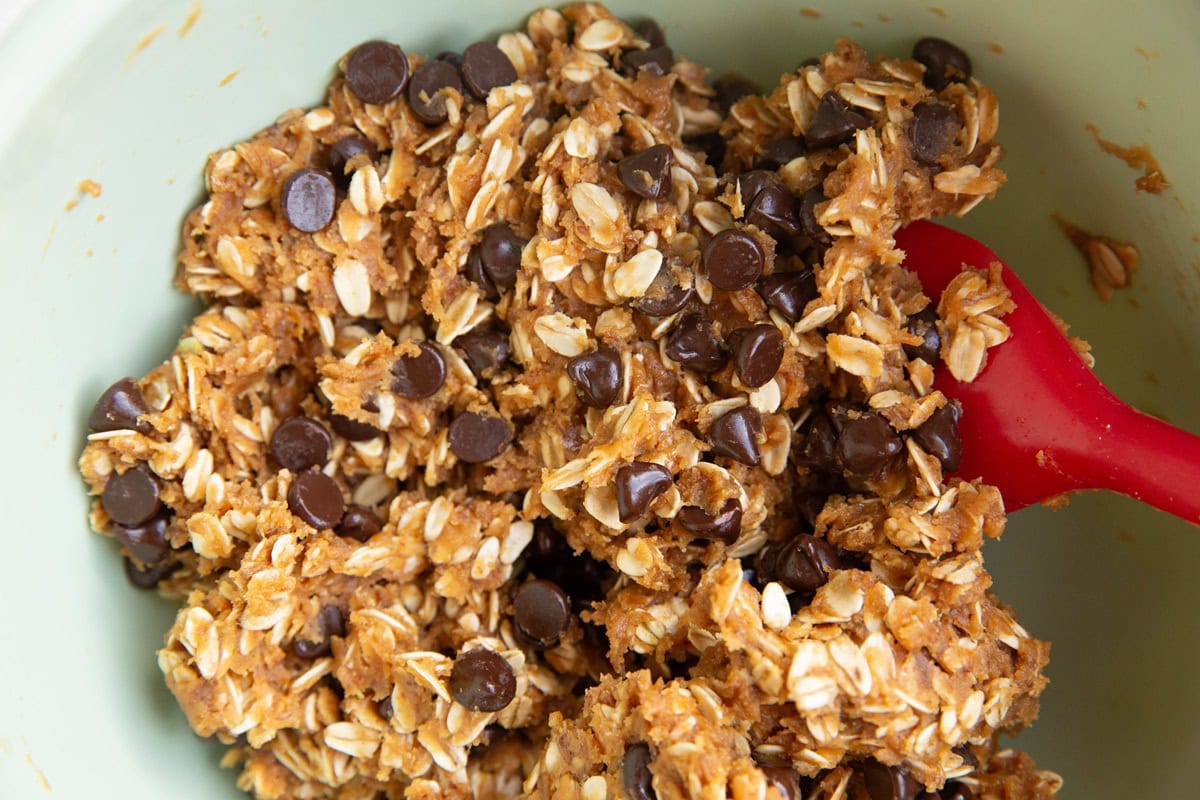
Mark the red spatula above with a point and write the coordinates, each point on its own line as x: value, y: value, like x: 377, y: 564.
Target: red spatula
x: 1036, y: 422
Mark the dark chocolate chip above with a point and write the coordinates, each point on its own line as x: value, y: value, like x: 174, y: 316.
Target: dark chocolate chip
x: 655, y: 61
x: 924, y: 324
x: 939, y: 437
x: 476, y: 438
x: 451, y: 57
x: 541, y: 611
x: 551, y: 557
x: 820, y: 443
x: 146, y: 542
x: 648, y: 173
x: 500, y: 253
x: 299, y: 443
x: 955, y: 790
x: 482, y: 680
x: 359, y: 522
x: 866, y: 444
x: 786, y: 780
x: 485, y: 67
x: 888, y: 783
x: 757, y: 354
x: 725, y: 525
x: 131, y: 498
x: 733, y: 87
x: 808, y: 217
x: 834, y: 122
x: 693, y: 345
x: 735, y: 435
x: 419, y: 376
x: 309, y: 648
x: 789, y: 292
x: 150, y: 576
x: 638, y: 485
x: 712, y: 144
x: 933, y: 128
x: 343, y: 151
x: 119, y: 409
x: 780, y: 152
x: 773, y: 210
x: 805, y: 563
x: 333, y: 621
x: 426, y: 91
x: 376, y: 72
x: 317, y: 499
x: 307, y: 198
x: 944, y: 62
x: 597, y: 376
x: 477, y: 274
x: 663, y: 297
x: 636, y: 778
x: 733, y: 259
x: 330, y: 622
x: 485, y: 351
x: 651, y: 32
x: 352, y: 429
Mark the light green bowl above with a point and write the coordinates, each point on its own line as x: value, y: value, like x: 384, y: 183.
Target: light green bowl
x: 82, y: 705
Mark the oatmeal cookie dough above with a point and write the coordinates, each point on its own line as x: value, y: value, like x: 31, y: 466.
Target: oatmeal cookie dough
x: 563, y: 425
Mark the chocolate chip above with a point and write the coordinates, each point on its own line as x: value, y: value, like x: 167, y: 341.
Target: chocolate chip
x: 648, y: 173
x: 773, y: 210
x: 150, y: 576
x: 834, y: 122
x: 376, y: 72
x: 789, y: 292
x: 482, y: 680
x: 636, y: 777
x: 733, y: 87
x: 888, y: 783
x: 420, y: 376
x: 597, y: 376
x: 735, y: 435
x: 944, y: 62
x: 651, y: 32
x: 343, y: 151
x: 450, y: 57
x: 866, y: 444
x: 119, y: 409
x: 317, y: 499
x: 359, y: 522
x: 299, y: 443
x: 733, y: 259
x: 654, y: 61
x: 352, y: 429
x: 924, y: 324
x: 693, y: 345
x: 331, y: 623
x: 757, y: 354
x: 663, y: 297
x: 549, y: 556
x: 476, y: 438
x: 485, y: 67
x: 426, y: 91
x: 955, y: 790
x: 712, y: 144
x: 786, y: 780
x: 146, y: 542
x: 638, y: 485
x: 939, y: 437
x: 805, y: 563
x: 485, y: 351
x: 476, y: 273
x: 933, y: 128
x: 131, y: 498
x: 819, y: 451
x: 808, y: 218
x: 725, y: 525
x: 541, y: 611
x: 306, y: 198
x: 780, y: 152
x: 500, y: 254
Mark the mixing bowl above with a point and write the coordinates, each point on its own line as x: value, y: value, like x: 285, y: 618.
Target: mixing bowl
x: 132, y: 94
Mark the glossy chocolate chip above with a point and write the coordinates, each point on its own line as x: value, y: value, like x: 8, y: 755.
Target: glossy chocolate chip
x: 132, y: 497
x: 834, y: 122
x: 146, y: 542
x: 330, y: 622
x: 376, y: 72
x: 939, y: 436
x: 343, y: 151
x: 924, y: 324
x: 648, y: 173
x: 485, y: 351
x: 866, y: 444
x: 119, y: 408
x: 888, y: 783
x: 500, y: 254
x: 654, y: 61
x: 944, y: 62
x: 757, y: 354
x: 421, y: 375
x: 299, y: 443
x: 482, y: 680
x: 733, y: 259
x: 638, y: 485
x: 789, y: 292
x: 476, y: 438
x: 725, y: 525
x: 733, y: 87
x: 780, y: 152
x: 809, y: 225
x: 693, y: 345
x: 427, y: 91
x: 597, y: 376
x: 933, y: 128
x: 476, y: 273
x: 819, y: 451
x: 735, y: 435
x: 955, y: 790
x: 636, y: 778
x: 541, y: 611
x: 663, y: 297
x: 805, y: 563
x: 352, y: 429
x: 317, y: 499
x: 150, y: 576
x: 360, y: 523
x: 773, y: 210
x: 651, y: 32
x: 786, y: 780
x: 307, y: 198
x: 485, y: 67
